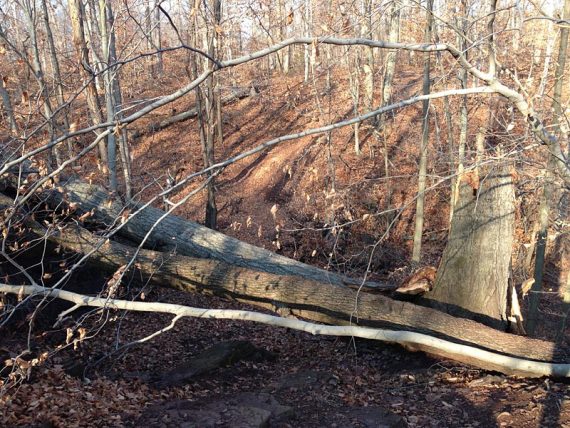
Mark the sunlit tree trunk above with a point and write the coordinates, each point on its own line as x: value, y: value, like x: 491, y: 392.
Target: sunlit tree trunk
x: 31, y: 19
x: 92, y: 36
x: 283, y: 23
x: 390, y: 64
x: 387, y: 90
x: 456, y: 162
x: 419, y: 223
x: 77, y: 15
x: 472, y: 278
x: 211, y: 112
x: 157, y: 39
x: 368, y: 67
x: 547, y: 59
x: 113, y: 98
x: 307, y: 32
x: 462, y: 23
x: 104, y: 30
x: 150, y: 40
x: 56, y: 70
x: 117, y: 101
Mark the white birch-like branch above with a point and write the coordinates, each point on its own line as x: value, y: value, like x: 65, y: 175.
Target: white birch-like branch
x: 406, y: 338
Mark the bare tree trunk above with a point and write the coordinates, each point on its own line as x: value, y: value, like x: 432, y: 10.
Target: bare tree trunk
x: 549, y: 191
x: 117, y: 99
x: 387, y: 89
x: 558, y: 111
x: 560, y: 67
x: 201, y: 110
x: 462, y: 24
x: 92, y: 17
x: 7, y: 104
x: 547, y: 59
x: 157, y: 38
x: 283, y: 22
x: 449, y: 127
x: 148, y: 32
x: 463, y: 117
x: 473, y: 277
x: 390, y: 67
x: 456, y: 162
x: 105, y: 30
x: 541, y: 241
x: 331, y: 169
x: 56, y: 71
x: 31, y: 22
x: 212, y: 113
x: 77, y: 15
x: 368, y: 67
x: 354, y: 78
x: 419, y: 224
x: 307, y: 32
x: 151, y: 39
x: 473, y: 274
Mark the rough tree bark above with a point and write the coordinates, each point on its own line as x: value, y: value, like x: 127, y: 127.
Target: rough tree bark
x: 390, y: 67
x: 156, y: 36
x: 473, y: 275
x: 186, y: 237
x: 462, y: 23
x: 387, y: 90
x: 106, y: 34
x: 115, y: 97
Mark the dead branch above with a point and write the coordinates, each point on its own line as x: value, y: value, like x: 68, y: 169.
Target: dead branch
x: 408, y: 339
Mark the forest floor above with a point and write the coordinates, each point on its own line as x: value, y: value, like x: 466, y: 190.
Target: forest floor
x: 285, y: 199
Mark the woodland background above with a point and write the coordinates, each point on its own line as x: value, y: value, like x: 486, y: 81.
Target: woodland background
x: 252, y: 118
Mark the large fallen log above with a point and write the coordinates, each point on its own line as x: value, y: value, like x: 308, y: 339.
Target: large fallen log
x: 304, y: 298
x: 185, y: 237
x: 234, y: 95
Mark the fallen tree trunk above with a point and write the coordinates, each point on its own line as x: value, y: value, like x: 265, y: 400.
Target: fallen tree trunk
x: 305, y: 298
x: 186, y: 237
x: 408, y: 339
x: 234, y: 95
